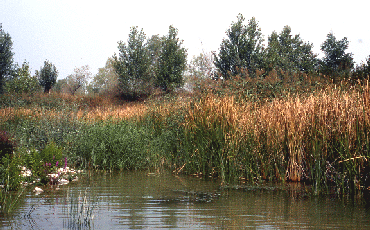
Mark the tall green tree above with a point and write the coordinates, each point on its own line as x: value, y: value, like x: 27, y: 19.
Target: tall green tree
x: 22, y: 81
x: 171, y: 62
x: 154, y: 45
x: 289, y: 53
x: 133, y: 65
x: 336, y: 61
x: 6, y: 57
x: 362, y: 71
x: 47, y: 76
x: 241, y: 49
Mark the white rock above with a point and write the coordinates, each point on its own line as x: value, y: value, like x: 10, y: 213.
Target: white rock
x: 38, y: 190
x: 63, y: 181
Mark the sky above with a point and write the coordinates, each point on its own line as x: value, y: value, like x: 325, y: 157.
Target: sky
x: 75, y: 33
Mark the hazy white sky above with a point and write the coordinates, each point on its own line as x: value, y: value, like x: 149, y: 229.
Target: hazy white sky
x: 73, y: 33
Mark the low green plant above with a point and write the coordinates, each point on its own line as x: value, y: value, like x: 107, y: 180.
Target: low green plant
x: 44, y: 162
x: 10, y: 172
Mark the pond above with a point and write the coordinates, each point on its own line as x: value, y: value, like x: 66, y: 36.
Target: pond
x: 142, y: 200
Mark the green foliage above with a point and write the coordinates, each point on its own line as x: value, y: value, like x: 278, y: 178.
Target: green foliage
x: 133, y: 66
x: 6, y: 57
x: 241, y: 50
x: 113, y: 146
x: 47, y: 76
x: 289, y: 53
x: 10, y: 172
x: 154, y: 45
x: 336, y: 61
x: 362, y: 71
x: 41, y: 163
x: 106, y: 81
x: 171, y: 62
x: 22, y: 81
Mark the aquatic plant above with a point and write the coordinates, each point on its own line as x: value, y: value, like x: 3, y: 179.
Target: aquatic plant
x: 80, y: 211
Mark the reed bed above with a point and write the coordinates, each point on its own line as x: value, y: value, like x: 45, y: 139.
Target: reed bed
x: 321, y: 139
x: 122, y: 112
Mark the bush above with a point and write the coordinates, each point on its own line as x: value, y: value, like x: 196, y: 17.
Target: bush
x: 7, y: 146
x: 10, y: 172
x: 43, y: 162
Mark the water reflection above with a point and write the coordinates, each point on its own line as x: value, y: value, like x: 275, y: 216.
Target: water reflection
x: 161, y: 200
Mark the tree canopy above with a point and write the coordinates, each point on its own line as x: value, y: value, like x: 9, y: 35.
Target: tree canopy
x: 133, y: 65
x: 106, y: 81
x: 22, y: 81
x: 47, y: 76
x: 289, y: 52
x: 6, y: 57
x: 241, y: 49
x: 336, y: 60
x: 171, y: 62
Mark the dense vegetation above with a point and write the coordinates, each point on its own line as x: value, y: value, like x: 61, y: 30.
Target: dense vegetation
x: 247, y: 114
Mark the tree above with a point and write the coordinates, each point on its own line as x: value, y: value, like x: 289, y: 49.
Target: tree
x: 106, y: 81
x: 61, y: 86
x: 78, y: 80
x: 171, y: 62
x: 154, y: 45
x: 200, y: 69
x: 132, y: 66
x: 6, y: 57
x: 289, y: 53
x: 241, y: 49
x: 336, y: 61
x: 22, y: 81
x: 47, y: 76
x: 362, y: 71
x: 202, y: 66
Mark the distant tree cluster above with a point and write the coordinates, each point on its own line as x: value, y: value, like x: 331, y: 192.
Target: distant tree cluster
x: 243, y: 52
x: 15, y: 79
x: 6, y: 58
x: 145, y: 64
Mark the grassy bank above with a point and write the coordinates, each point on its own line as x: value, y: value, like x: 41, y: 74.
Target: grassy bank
x: 319, y: 137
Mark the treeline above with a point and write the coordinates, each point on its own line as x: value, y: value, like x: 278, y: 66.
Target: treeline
x: 244, y: 49
x: 145, y: 65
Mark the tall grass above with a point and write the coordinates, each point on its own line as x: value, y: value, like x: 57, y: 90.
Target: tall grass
x: 319, y: 137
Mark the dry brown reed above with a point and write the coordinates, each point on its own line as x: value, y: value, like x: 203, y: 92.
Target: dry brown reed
x: 283, y: 127
x: 330, y: 112
x: 103, y: 113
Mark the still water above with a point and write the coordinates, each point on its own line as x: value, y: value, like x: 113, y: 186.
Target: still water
x: 142, y: 200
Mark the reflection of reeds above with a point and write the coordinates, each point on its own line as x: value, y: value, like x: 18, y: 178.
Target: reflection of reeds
x: 80, y: 211
x: 9, y: 200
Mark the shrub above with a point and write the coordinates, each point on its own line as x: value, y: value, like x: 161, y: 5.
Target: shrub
x: 7, y: 145
x: 43, y: 162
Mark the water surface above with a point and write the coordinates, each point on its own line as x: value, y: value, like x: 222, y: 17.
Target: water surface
x: 142, y: 200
